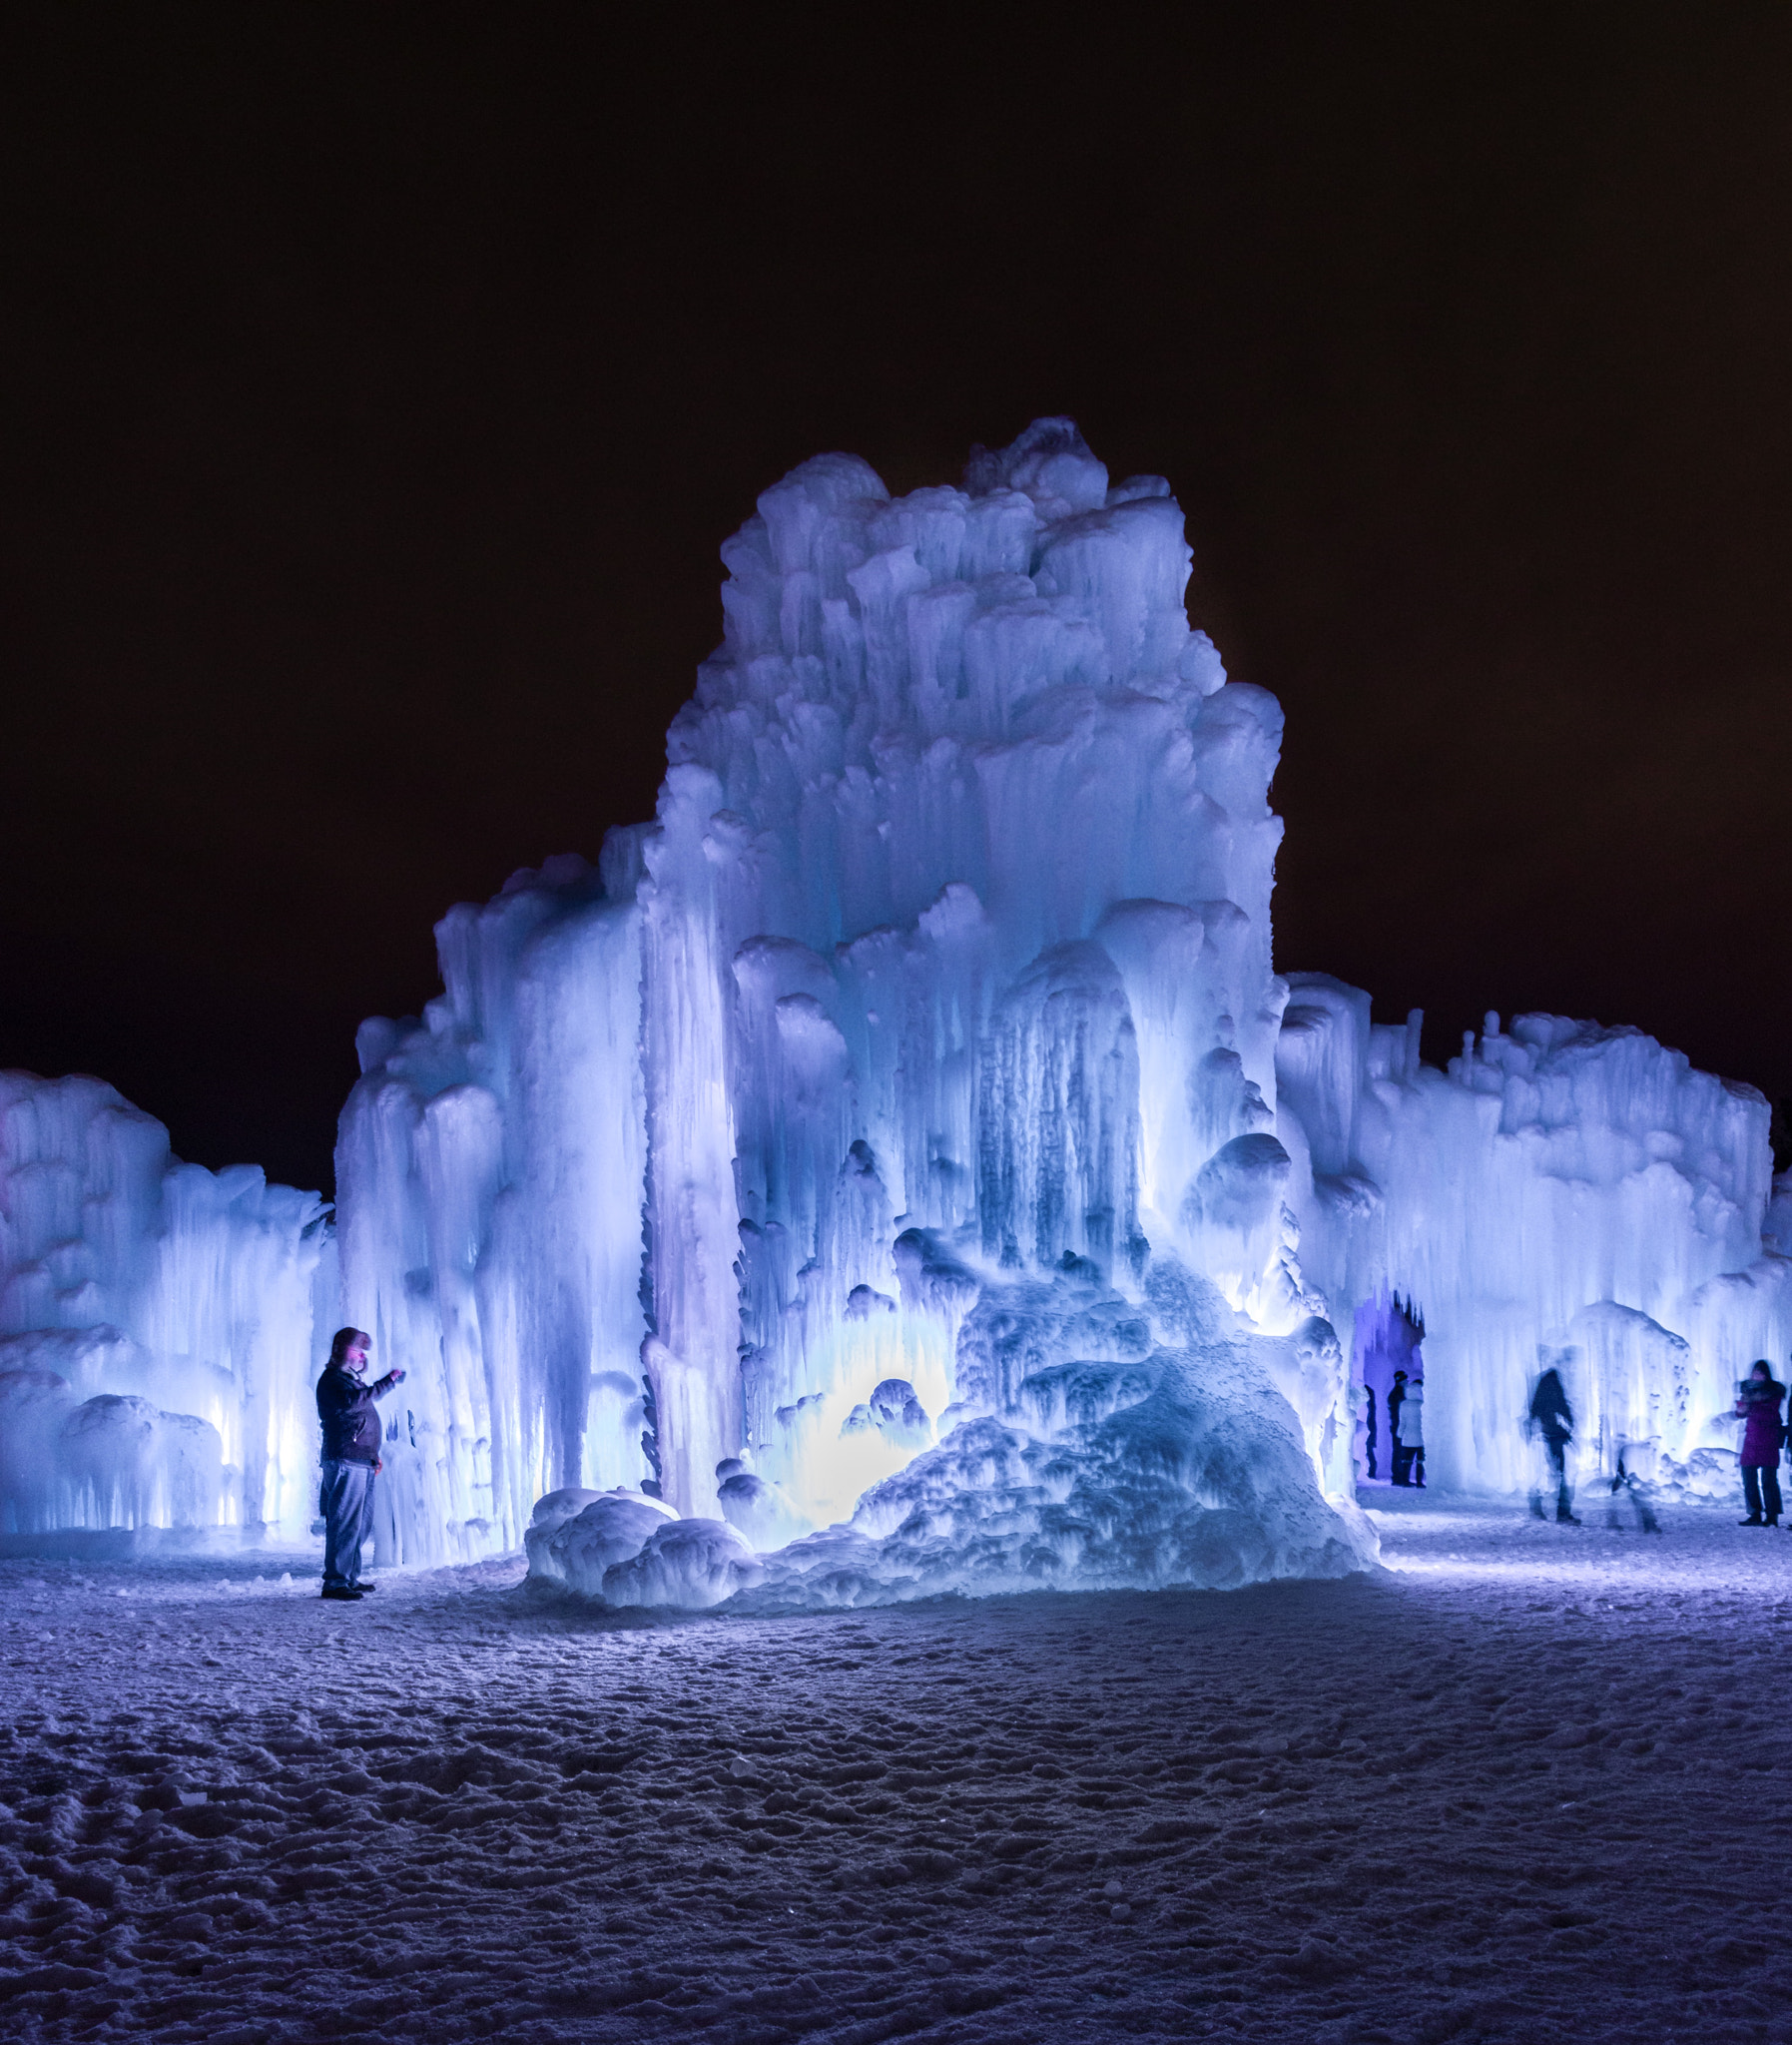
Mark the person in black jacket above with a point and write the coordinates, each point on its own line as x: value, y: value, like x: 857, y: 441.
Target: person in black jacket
x: 351, y: 1436
x: 1554, y: 1419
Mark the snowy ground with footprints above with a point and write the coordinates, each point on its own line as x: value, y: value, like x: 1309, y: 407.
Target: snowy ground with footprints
x: 1526, y: 1783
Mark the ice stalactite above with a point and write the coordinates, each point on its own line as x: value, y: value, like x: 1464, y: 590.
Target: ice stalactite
x: 155, y: 1325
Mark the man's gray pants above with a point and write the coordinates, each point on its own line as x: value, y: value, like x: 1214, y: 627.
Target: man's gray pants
x: 345, y: 1499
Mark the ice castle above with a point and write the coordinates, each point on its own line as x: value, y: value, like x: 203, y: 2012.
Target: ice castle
x: 899, y: 1167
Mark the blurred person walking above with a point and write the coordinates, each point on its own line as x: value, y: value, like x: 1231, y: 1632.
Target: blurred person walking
x: 351, y: 1436
x: 1624, y: 1485
x: 1554, y: 1419
x: 1758, y: 1407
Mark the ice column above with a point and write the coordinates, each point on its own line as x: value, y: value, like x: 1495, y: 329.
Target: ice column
x: 952, y: 932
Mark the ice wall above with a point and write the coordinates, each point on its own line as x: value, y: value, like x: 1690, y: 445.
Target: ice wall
x: 489, y: 1179
x: 933, y: 1015
x: 155, y: 1325
x: 906, y: 1132
x: 1561, y: 1194
x: 899, y: 1166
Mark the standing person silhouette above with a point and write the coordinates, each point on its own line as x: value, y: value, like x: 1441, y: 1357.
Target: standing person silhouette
x: 1401, y: 1463
x: 1758, y: 1404
x: 351, y: 1436
x: 1554, y: 1419
x: 1369, y: 1402
x: 1410, y: 1433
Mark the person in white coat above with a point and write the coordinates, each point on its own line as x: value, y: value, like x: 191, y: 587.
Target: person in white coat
x: 1408, y: 1456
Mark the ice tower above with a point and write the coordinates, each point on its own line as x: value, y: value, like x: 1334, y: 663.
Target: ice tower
x: 924, y: 1040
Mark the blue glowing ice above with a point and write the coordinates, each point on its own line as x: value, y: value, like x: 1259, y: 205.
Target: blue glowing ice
x: 899, y: 1167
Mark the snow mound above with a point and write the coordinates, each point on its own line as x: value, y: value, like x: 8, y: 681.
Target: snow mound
x: 1181, y: 1466
x: 577, y: 1535
x: 1178, y: 1459
x: 624, y: 1548
x: 688, y: 1565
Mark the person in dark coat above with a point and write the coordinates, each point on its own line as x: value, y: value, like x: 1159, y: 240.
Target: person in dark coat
x: 1369, y: 1441
x: 351, y: 1437
x: 1554, y: 1419
x: 1758, y: 1407
x: 1402, y: 1462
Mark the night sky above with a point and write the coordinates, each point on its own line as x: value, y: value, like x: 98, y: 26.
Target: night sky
x: 377, y: 385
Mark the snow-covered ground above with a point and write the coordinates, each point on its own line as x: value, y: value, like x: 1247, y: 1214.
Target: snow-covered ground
x: 1526, y: 1783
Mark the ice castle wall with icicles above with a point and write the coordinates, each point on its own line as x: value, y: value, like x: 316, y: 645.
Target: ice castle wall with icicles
x: 155, y: 1325
x: 1562, y: 1195
x: 900, y: 1166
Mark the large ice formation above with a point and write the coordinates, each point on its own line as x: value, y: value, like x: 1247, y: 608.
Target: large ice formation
x: 155, y: 1325
x: 1562, y: 1195
x: 899, y: 1167
x: 885, y: 1137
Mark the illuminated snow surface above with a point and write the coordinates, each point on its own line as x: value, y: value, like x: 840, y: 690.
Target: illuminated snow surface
x: 1525, y: 1784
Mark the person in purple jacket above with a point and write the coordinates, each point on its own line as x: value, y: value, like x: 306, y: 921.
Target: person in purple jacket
x: 351, y: 1436
x: 1758, y: 1406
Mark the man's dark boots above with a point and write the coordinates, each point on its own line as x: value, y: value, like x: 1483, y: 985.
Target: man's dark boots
x: 342, y: 1591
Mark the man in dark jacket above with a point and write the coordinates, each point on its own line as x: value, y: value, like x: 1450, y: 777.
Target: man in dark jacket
x: 1554, y: 1419
x: 351, y: 1436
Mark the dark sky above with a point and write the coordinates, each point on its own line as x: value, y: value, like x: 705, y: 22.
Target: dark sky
x: 378, y: 383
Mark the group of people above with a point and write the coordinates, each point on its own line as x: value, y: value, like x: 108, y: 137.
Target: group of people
x: 1759, y: 1397
x: 1759, y: 1400
x: 352, y: 1438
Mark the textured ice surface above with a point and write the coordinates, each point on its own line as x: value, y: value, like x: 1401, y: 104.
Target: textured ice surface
x: 155, y: 1325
